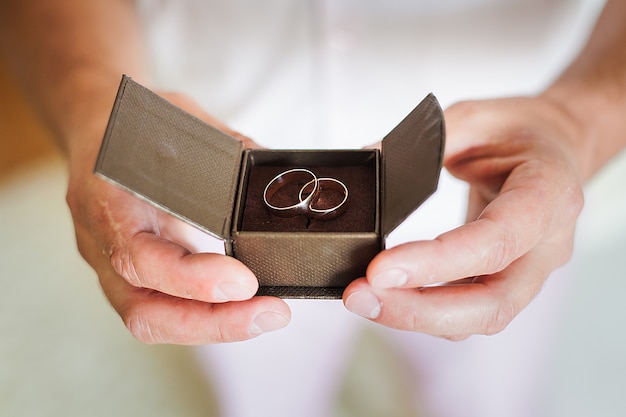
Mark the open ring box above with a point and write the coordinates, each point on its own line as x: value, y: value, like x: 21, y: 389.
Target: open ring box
x: 205, y: 177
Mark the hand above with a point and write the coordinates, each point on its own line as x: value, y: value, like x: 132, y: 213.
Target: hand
x: 164, y: 292
x: 524, y: 162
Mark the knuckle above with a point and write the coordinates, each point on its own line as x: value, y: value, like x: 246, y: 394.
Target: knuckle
x: 564, y: 252
x: 142, y: 328
x: 123, y: 264
x: 497, y: 320
x: 222, y: 334
x: 572, y: 201
x: 501, y: 253
x: 221, y: 330
x: 575, y: 201
x: 447, y: 326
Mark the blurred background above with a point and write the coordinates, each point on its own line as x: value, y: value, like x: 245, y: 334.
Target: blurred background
x: 65, y: 352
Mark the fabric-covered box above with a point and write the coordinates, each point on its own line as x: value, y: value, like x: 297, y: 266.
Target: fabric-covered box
x: 202, y: 175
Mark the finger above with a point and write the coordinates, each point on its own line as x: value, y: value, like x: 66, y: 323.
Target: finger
x: 523, y: 214
x: 154, y: 317
x: 149, y: 261
x: 474, y: 128
x: 484, y: 305
x: 128, y: 231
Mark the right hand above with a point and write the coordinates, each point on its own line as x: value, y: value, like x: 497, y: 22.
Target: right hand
x: 164, y: 292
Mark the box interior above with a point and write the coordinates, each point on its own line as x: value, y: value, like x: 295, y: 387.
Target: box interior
x: 357, y: 169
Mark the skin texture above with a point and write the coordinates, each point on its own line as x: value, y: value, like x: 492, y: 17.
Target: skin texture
x: 525, y: 158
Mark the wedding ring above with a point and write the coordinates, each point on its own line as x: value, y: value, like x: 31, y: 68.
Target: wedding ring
x: 291, y: 176
x: 325, y: 184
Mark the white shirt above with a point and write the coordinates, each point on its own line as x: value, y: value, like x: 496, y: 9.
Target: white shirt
x: 341, y: 73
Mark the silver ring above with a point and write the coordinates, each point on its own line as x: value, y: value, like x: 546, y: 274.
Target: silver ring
x: 289, y: 177
x: 328, y: 184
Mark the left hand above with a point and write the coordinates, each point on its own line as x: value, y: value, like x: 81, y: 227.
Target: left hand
x: 525, y: 163
x: 149, y: 266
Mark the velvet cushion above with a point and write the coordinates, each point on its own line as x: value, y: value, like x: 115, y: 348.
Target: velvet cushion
x: 360, y: 215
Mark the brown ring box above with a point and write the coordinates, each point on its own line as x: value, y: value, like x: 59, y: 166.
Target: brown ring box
x: 202, y: 175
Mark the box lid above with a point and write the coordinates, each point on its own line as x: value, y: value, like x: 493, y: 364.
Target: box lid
x: 172, y: 159
x: 412, y: 155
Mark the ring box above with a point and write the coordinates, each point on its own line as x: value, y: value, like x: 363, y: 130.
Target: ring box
x: 205, y: 177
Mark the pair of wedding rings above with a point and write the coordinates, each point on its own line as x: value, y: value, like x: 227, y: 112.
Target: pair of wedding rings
x: 308, y: 196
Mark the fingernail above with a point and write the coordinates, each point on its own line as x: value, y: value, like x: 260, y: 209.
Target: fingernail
x: 232, y: 291
x: 392, y: 278
x: 364, y: 304
x: 266, y: 322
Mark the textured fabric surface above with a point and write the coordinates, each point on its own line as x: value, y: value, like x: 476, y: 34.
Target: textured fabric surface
x: 412, y: 155
x: 171, y: 158
x: 306, y: 259
x: 190, y: 169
